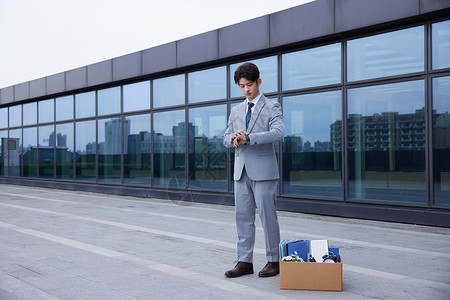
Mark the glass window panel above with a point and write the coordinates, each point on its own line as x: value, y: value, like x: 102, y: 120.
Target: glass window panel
x: 312, y: 67
x: 441, y: 140
x: 136, y: 96
x: 15, y: 152
x: 109, y: 150
x: 85, y: 105
x: 207, y: 85
x: 3, y: 152
x: 169, y: 147
x: 137, y: 150
x: 29, y: 155
x: 386, y: 143
x: 108, y: 101
x: 15, y: 116
x: 268, y: 71
x: 440, y: 38
x: 46, y: 151
x: 46, y: 111
x: 64, y: 108
x: 312, y: 145
x: 169, y: 91
x: 29, y: 114
x: 386, y: 54
x: 64, y: 151
x: 207, y: 155
x: 85, y: 147
x: 4, y: 117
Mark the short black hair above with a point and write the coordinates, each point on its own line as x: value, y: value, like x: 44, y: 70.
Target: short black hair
x: 248, y: 71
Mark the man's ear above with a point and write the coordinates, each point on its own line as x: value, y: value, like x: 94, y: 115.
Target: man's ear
x: 259, y: 81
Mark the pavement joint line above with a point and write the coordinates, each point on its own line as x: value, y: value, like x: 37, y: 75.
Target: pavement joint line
x: 62, y: 240
x: 396, y: 277
x: 351, y: 268
x: 134, y: 227
x: 292, y: 234
x: 366, y: 271
x: 200, y: 206
x: 161, y: 267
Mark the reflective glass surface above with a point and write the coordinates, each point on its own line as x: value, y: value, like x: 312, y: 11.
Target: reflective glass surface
x: 387, y: 54
x: 169, y: 148
x: 46, y: 151
x: 108, y: 101
x: 136, y: 96
x: 29, y: 113
x: 29, y: 155
x: 64, y: 151
x: 312, y: 145
x: 440, y: 47
x: 169, y: 91
x: 137, y: 150
x: 46, y: 111
x: 441, y: 140
x: 312, y: 67
x: 386, y: 142
x: 85, y: 147
x: 207, y: 85
x: 85, y: 105
x: 15, y: 152
x: 109, y: 150
x: 207, y: 155
x: 15, y: 116
x: 268, y: 71
x: 64, y: 108
x: 3, y: 152
x: 4, y: 117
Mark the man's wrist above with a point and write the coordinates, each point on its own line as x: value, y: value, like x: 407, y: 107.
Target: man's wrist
x: 247, y: 138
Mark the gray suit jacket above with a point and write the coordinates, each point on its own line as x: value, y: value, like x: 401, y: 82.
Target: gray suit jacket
x: 266, y: 127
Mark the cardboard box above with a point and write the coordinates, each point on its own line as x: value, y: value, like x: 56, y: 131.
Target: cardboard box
x: 311, y: 276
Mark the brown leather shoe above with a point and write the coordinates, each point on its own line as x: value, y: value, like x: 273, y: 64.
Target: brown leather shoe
x: 241, y: 268
x: 271, y: 269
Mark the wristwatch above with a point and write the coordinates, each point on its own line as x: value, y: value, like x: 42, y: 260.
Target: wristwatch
x: 247, y: 138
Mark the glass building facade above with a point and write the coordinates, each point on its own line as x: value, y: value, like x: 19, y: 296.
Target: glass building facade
x: 367, y: 121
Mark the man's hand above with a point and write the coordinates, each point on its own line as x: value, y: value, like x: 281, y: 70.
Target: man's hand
x: 239, y: 138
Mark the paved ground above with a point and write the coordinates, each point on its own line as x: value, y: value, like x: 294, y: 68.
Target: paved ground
x: 57, y: 244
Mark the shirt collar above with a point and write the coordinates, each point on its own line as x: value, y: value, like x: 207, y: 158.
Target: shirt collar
x: 254, y: 101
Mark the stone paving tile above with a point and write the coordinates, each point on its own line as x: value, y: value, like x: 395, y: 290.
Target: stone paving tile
x: 4, y: 295
x: 156, y: 254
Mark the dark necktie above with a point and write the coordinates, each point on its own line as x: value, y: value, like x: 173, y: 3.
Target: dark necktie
x: 249, y: 115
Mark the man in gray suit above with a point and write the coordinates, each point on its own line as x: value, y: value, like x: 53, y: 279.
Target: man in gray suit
x: 253, y: 126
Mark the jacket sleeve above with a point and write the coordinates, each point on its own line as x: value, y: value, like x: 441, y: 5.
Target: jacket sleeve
x: 227, y: 142
x: 276, y: 128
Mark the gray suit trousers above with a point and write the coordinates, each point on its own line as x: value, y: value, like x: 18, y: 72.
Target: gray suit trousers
x: 249, y: 195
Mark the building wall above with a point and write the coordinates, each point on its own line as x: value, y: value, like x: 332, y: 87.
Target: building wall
x: 364, y: 87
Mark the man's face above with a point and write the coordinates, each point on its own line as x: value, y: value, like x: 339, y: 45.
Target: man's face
x: 250, y: 89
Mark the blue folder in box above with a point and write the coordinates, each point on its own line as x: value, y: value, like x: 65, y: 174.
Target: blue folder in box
x: 301, y: 247
x: 282, y: 247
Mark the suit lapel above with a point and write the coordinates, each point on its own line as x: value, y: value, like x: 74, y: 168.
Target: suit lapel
x: 241, y: 115
x: 259, y: 106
